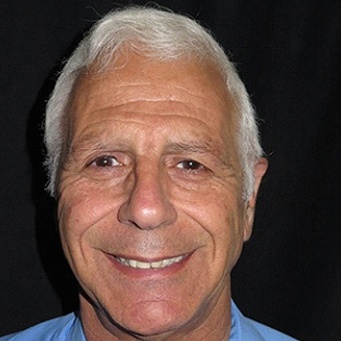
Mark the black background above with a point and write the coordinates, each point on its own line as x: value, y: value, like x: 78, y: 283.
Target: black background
x: 288, y: 54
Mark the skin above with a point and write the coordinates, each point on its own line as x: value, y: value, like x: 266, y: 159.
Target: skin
x: 151, y: 172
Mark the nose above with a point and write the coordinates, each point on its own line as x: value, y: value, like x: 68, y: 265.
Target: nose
x: 148, y: 206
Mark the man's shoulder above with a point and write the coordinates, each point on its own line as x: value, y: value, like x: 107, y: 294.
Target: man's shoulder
x: 244, y: 328
x: 62, y: 328
x: 268, y: 333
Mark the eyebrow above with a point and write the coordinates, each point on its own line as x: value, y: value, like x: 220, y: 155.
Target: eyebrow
x: 191, y: 147
x: 200, y: 147
x: 91, y: 141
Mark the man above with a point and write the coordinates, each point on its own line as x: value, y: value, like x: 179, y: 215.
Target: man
x: 154, y: 158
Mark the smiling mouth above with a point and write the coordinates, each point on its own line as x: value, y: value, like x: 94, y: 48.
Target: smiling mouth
x: 133, y: 263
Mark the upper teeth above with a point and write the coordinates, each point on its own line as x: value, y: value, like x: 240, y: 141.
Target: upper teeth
x: 149, y: 265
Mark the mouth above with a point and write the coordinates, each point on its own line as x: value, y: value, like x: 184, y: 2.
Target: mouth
x: 160, y: 264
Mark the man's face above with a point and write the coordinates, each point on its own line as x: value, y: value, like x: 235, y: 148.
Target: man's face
x: 151, y: 213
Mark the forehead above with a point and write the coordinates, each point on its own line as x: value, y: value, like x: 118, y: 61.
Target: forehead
x: 136, y: 89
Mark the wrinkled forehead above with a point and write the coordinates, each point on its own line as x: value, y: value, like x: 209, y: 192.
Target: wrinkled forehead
x: 133, y: 75
x: 137, y: 80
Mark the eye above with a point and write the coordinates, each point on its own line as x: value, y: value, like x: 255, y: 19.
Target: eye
x: 106, y: 161
x: 190, y: 165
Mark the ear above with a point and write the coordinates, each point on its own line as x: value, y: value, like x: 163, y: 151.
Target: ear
x: 259, y: 171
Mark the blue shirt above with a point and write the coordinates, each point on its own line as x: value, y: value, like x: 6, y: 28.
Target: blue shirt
x: 69, y: 328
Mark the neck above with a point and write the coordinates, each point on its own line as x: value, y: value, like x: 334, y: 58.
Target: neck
x: 213, y: 324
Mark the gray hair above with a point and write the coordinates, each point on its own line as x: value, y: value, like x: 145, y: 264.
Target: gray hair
x: 159, y: 35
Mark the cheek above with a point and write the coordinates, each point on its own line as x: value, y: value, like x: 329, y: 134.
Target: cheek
x: 80, y: 214
x: 216, y: 209
x: 80, y: 209
x: 220, y: 216
x: 83, y: 203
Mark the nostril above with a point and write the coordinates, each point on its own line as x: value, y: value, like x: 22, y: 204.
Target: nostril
x: 131, y: 222
x: 153, y: 216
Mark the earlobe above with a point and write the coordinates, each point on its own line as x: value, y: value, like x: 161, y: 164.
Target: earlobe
x: 260, y: 170
x: 248, y: 223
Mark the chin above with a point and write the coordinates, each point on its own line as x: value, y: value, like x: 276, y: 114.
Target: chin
x: 151, y: 319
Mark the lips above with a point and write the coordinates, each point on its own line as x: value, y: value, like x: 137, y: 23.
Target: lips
x: 160, y: 264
